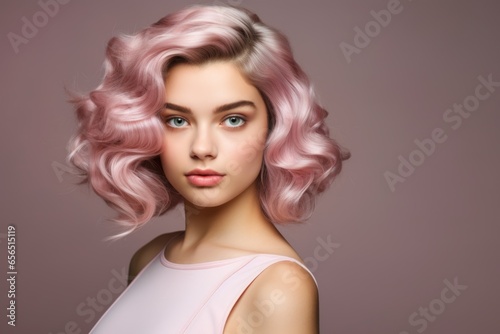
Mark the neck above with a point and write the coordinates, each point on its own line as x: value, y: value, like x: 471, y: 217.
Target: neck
x: 228, y: 224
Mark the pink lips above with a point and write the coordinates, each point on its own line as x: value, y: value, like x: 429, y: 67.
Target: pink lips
x: 204, y: 177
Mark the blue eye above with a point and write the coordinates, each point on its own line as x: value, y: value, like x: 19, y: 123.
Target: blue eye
x: 234, y: 121
x: 176, y: 122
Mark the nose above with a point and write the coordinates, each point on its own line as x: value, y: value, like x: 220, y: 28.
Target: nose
x: 203, y: 145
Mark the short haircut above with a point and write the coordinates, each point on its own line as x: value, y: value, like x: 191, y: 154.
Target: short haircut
x: 119, y: 137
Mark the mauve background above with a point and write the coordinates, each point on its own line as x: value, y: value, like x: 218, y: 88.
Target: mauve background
x: 396, y: 247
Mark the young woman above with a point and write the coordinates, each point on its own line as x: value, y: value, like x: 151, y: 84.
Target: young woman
x: 207, y: 108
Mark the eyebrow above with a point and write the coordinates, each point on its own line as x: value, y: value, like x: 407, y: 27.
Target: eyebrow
x: 222, y: 108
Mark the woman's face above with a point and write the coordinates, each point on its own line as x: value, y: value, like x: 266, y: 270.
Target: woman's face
x: 215, y: 125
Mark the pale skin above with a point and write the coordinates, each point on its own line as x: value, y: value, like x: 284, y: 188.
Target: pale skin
x: 215, y: 119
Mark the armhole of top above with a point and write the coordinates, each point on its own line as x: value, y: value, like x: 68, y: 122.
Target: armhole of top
x: 282, y: 258
x: 303, y: 266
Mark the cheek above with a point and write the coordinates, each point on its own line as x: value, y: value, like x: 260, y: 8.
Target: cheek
x: 245, y: 158
x: 170, y: 157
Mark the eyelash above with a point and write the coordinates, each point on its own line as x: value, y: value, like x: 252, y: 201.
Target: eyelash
x: 242, y: 121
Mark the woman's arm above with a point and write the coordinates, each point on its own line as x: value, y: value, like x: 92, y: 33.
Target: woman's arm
x: 282, y: 299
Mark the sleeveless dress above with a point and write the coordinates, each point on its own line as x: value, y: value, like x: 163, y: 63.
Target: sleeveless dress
x: 173, y: 298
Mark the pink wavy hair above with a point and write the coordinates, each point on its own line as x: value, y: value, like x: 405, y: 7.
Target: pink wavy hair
x: 119, y: 137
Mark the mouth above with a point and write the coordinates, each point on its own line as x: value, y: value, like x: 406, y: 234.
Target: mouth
x: 204, y: 172
x: 204, y: 178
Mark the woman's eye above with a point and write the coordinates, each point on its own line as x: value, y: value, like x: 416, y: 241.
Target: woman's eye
x: 176, y: 122
x: 234, y: 121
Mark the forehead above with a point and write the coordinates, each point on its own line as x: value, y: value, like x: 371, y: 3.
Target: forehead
x: 217, y: 82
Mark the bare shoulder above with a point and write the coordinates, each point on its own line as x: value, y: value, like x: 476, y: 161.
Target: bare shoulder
x: 286, y: 296
x: 146, y: 253
x: 294, y: 291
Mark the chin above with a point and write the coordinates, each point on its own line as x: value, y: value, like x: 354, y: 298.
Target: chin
x: 207, y: 200
x: 212, y: 197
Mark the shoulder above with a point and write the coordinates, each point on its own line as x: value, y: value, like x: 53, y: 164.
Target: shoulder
x: 146, y: 253
x: 288, y: 294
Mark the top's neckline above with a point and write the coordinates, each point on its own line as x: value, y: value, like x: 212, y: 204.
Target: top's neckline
x: 214, y: 263
x: 219, y: 263
x: 206, y: 264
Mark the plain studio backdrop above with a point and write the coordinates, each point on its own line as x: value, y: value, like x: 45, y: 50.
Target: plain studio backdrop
x: 405, y: 241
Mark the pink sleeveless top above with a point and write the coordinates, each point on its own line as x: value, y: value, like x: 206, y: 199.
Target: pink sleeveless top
x: 173, y: 298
